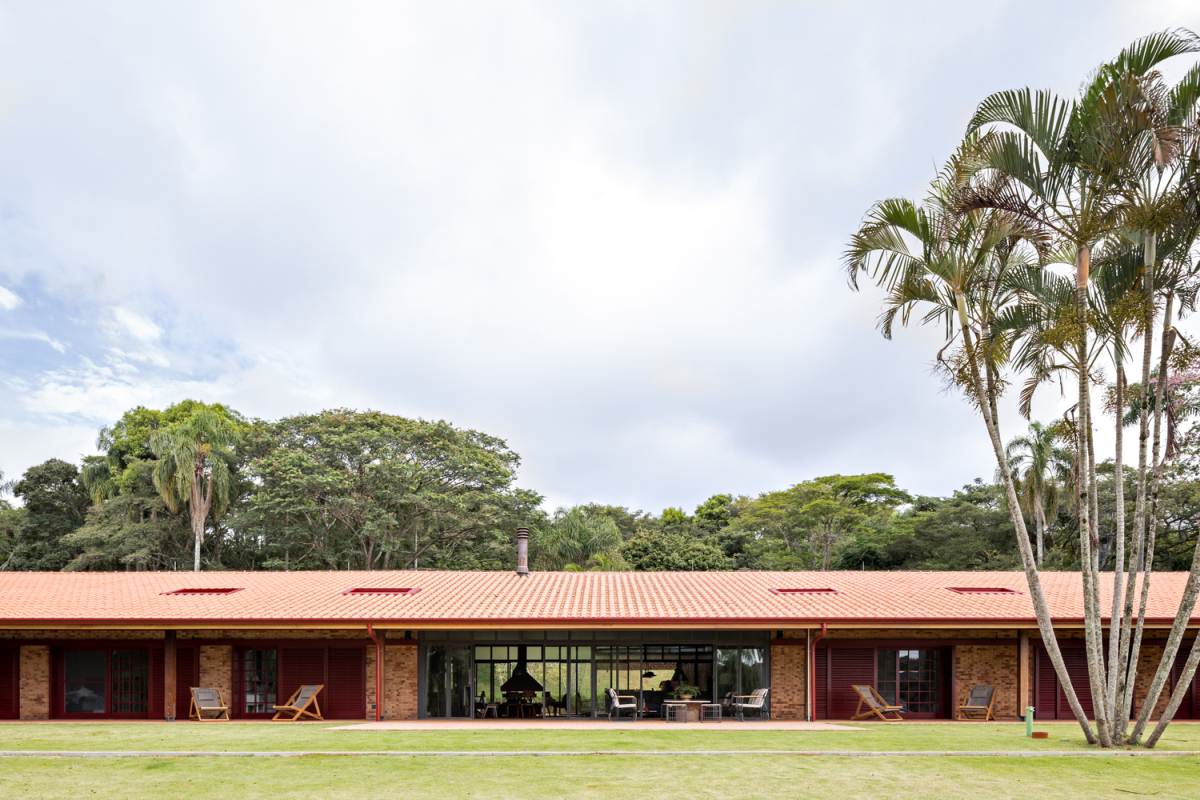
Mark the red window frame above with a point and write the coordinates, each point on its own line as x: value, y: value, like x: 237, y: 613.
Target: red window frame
x: 59, y: 677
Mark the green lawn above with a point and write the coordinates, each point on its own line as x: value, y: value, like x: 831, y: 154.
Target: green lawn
x: 191, y: 736
x: 624, y: 777
x: 582, y: 776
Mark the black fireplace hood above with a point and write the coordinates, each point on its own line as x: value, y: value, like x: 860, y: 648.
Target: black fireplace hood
x: 520, y: 680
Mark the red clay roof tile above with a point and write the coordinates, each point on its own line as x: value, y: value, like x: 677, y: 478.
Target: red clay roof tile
x: 565, y: 598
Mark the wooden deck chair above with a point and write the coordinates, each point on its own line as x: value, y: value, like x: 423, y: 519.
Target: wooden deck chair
x: 876, y: 706
x: 303, y: 703
x: 207, y: 704
x: 979, y: 703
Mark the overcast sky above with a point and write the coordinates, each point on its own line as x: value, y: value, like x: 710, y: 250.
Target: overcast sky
x: 608, y: 233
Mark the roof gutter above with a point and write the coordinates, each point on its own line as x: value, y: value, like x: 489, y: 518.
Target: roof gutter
x: 534, y: 621
x: 378, y: 671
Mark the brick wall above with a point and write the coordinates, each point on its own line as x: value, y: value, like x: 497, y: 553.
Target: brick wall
x: 789, y: 686
x: 904, y: 633
x: 77, y: 635
x: 35, y: 682
x: 358, y: 634
x: 994, y: 665
x: 1148, y: 658
x: 370, y: 682
x: 399, y: 682
x: 216, y: 670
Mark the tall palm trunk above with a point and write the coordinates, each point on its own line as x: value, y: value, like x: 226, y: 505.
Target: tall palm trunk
x: 1033, y: 579
x: 1039, y: 523
x: 1188, y: 602
x: 1089, y: 544
x: 1114, y: 639
x: 1147, y: 565
x: 201, y: 501
x: 1125, y: 690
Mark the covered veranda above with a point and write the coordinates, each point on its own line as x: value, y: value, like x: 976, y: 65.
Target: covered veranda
x: 553, y: 676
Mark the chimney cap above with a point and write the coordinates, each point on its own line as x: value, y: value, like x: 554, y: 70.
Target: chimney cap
x: 523, y: 552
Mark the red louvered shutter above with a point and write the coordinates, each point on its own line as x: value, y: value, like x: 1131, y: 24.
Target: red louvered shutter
x: 155, y: 699
x: 848, y: 666
x: 1075, y: 660
x: 9, y: 684
x: 345, y: 687
x: 187, y: 673
x: 1189, y: 708
x: 821, y: 675
x: 1051, y: 701
x: 1045, y: 701
x: 298, y: 666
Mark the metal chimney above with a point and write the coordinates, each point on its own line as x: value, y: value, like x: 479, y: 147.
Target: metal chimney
x: 523, y: 552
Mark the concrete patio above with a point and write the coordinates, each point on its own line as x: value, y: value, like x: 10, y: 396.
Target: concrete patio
x: 589, y: 725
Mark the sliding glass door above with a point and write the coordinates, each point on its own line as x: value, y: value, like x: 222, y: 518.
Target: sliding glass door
x: 464, y: 678
x: 107, y: 682
x: 449, y: 690
x: 912, y: 678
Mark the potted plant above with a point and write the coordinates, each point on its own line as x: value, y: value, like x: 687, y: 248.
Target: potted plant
x: 685, y: 692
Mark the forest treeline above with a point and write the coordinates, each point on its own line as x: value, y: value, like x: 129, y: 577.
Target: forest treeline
x: 345, y: 489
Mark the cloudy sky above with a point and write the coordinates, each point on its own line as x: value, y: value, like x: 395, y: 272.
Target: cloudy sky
x: 607, y: 232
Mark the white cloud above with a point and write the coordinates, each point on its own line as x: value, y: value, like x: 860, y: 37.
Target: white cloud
x: 136, y: 325
x: 608, y: 234
x: 8, y: 300
x: 34, y: 336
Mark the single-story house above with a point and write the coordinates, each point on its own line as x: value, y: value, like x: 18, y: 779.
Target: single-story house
x: 432, y: 644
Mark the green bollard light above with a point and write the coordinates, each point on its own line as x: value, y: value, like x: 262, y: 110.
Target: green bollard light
x: 1029, y: 721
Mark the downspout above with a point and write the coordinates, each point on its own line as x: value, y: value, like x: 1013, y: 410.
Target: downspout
x: 378, y: 671
x: 812, y: 672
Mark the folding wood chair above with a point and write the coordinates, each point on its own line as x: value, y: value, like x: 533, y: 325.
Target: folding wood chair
x: 876, y: 705
x: 207, y: 705
x: 979, y: 703
x: 303, y: 703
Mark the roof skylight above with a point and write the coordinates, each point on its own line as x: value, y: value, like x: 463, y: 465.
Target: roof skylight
x: 381, y: 590
x: 982, y: 590
x: 805, y: 590
x: 205, y: 590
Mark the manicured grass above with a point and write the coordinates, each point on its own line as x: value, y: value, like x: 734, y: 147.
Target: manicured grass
x: 232, y: 736
x: 623, y: 777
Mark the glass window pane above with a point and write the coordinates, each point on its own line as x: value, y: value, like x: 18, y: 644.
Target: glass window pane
x: 86, y: 681
x: 483, y: 682
x: 129, y: 681
x: 726, y: 673
x: 753, y: 660
x: 258, y: 681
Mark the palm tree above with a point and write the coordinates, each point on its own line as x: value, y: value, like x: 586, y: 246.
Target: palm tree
x: 1039, y: 460
x: 1066, y: 165
x: 193, y: 469
x: 577, y: 540
x: 955, y: 266
x: 1166, y: 210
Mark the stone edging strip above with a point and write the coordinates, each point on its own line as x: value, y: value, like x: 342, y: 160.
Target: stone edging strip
x: 585, y: 753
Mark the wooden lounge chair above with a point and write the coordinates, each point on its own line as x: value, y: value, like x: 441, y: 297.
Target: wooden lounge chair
x: 875, y: 705
x: 755, y: 701
x: 207, y: 704
x: 303, y: 703
x: 979, y: 703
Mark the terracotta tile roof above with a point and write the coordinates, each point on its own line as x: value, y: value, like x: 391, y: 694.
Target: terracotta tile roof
x: 564, y: 598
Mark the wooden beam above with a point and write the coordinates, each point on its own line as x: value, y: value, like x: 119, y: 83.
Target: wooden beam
x: 170, y: 671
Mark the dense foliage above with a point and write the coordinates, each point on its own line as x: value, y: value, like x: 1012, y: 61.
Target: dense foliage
x: 365, y: 490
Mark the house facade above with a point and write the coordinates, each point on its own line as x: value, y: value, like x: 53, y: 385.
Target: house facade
x: 428, y: 644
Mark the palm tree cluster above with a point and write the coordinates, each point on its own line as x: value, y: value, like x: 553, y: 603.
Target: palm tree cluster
x: 1060, y: 235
